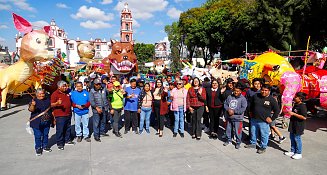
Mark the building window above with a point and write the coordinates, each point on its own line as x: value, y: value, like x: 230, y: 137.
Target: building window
x: 59, y: 34
x: 127, y: 37
x: 126, y: 16
x: 71, y: 46
x: 127, y: 27
x: 97, y: 47
x: 51, y: 42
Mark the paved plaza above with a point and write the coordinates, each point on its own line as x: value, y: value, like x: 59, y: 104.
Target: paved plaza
x: 148, y: 154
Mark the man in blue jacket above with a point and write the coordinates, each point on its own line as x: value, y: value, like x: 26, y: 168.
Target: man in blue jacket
x: 81, y: 104
x: 235, y: 106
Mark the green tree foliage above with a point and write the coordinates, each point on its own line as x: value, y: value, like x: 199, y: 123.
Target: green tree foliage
x: 175, y: 39
x: 144, y: 52
x: 226, y: 25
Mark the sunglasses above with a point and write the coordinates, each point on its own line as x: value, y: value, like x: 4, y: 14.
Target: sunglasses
x: 179, y: 83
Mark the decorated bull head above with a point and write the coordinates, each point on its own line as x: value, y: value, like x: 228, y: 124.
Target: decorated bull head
x: 122, y: 59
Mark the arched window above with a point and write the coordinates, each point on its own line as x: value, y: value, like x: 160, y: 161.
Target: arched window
x: 127, y: 37
x: 127, y: 27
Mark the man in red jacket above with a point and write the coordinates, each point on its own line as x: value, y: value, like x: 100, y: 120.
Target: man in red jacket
x: 61, y: 107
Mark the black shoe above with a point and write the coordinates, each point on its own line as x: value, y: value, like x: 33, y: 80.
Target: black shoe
x: 226, y: 143
x: 125, y: 132
x: 87, y: 139
x: 136, y: 132
x: 97, y: 139
x: 70, y: 143
x: 261, y: 150
x: 250, y: 146
x: 39, y: 152
x: 60, y: 148
x: 175, y: 134
x: 198, y: 138
x: 182, y: 135
x: 79, y: 138
x: 117, y: 134
x: 47, y: 149
x: 105, y: 135
x: 193, y: 137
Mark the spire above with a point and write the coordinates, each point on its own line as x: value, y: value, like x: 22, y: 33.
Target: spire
x: 126, y: 5
x: 53, y: 23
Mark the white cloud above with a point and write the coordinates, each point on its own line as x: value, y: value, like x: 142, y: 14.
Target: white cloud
x: 174, y: 13
x: 22, y: 4
x: 2, y: 39
x: 95, y: 25
x: 158, y: 23
x: 92, y: 13
x: 3, y: 26
x: 178, y: 1
x: 39, y: 24
x: 104, y: 2
x: 116, y: 35
x: 144, y: 10
x: 136, y: 24
x: 62, y: 5
x: 5, y: 7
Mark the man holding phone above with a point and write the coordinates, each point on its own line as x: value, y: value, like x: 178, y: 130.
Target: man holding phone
x: 81, y: 104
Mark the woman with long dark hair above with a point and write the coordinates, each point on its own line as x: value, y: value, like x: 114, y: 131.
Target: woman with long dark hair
x: 195, y: 102
x: 160, y: 105
x: 145, y: 101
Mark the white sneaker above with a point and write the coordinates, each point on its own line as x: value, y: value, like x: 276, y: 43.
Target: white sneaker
x: 289, y: 154
x: 297, y: 156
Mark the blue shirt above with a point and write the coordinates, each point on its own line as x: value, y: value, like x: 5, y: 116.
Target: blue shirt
x: 80, y: 98
x: 131, y: 103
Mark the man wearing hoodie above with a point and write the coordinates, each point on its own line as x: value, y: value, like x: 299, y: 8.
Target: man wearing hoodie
x: 235, y: 106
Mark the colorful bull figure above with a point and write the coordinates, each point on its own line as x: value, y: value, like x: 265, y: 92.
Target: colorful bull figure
x: 19, y: 77
x: 277, y: 71
x: 122, y: 59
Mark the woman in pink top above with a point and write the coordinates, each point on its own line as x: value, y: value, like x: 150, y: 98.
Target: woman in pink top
x: 178, y: 105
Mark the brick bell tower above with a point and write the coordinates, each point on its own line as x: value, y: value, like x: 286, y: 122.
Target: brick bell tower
x: 126, y: 25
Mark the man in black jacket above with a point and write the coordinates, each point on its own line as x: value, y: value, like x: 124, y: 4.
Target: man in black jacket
x: 261, y: 107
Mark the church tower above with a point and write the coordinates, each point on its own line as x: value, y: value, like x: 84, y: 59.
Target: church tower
x: 126, y: 25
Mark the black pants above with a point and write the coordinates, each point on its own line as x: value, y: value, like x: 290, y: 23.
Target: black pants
x: 130, y: 116
x: 196, y: 121
x: 214, y: 114
x: 63, y: 130
x: 116, y: 117
x: 160, y: 120
x: 171, y: 119
x: 206, y: 122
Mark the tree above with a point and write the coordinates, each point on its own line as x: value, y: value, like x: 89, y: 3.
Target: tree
x: 175, y: 39
x: 144, y: 52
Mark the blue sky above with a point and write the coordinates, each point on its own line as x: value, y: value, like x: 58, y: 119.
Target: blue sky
x: 94, y: 18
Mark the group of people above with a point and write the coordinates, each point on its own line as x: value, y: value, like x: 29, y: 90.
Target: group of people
x: 171, y: 100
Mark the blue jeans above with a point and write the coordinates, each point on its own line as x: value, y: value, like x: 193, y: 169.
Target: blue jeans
x: 145, y: 115
x: 179, y: 120
x: 296, y: 143
x: 84, y: 119
x: 41, y: 135
x: 63, y: 130
x: 99, y: 123
x: 256, y: 126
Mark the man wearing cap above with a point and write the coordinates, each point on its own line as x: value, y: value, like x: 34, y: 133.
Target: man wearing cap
x: 100, y: 106
x: 187, y: 85
x: 116, y: 95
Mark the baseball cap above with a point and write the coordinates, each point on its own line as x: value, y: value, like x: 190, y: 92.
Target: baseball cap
x: 116, y: 83
x: 185, y: 78
x: 97, y: 81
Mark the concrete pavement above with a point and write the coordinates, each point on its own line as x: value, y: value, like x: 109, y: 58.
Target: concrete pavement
x: 149, y: 154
